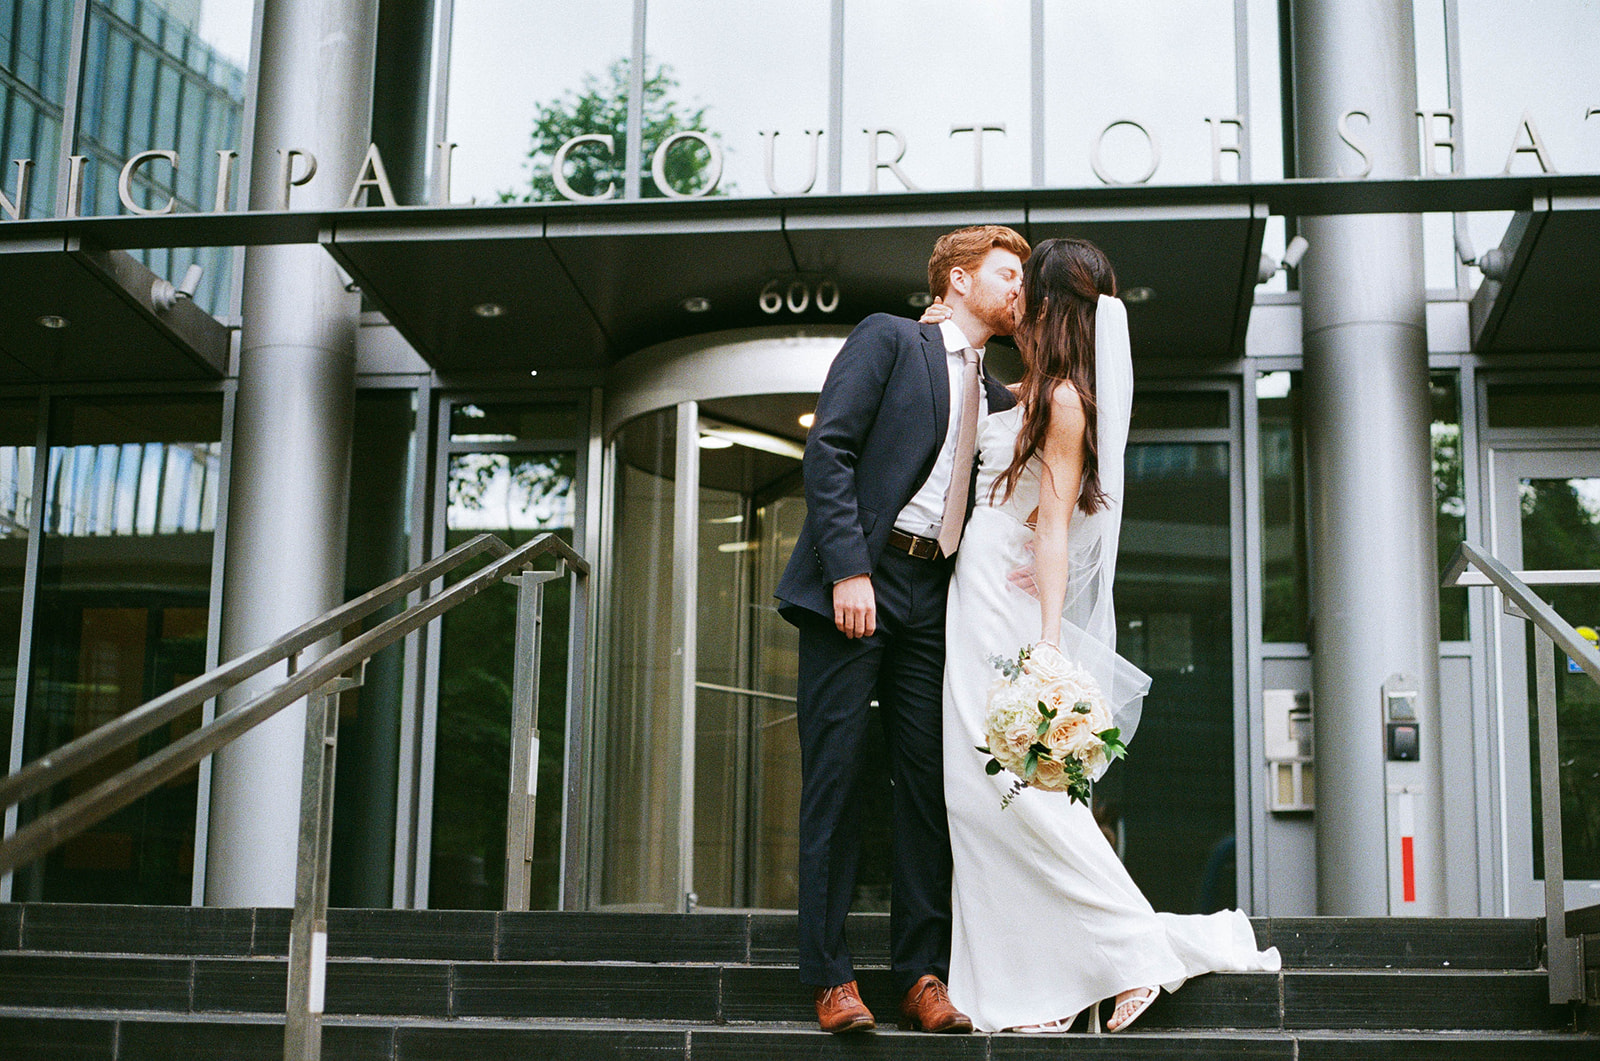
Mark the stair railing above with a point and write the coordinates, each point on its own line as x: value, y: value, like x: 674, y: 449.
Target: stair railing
x: 318, y: 683
x: 1564, y: 953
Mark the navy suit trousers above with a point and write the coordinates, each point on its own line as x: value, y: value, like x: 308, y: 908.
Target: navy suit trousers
x: 901, y: 666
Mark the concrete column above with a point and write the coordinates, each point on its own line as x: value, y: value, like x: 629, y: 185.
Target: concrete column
x: 291, y: 447
x: 1375, y: 597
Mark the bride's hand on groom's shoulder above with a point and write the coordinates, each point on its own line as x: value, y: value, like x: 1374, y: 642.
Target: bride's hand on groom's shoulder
x: 936, y: 313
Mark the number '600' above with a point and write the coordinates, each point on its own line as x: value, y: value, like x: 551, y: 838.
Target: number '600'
x: 798, y: 295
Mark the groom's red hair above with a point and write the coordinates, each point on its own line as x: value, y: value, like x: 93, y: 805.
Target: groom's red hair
x: 965, y: 248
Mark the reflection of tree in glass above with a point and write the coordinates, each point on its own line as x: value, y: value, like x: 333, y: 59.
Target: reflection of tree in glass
x: 1450, y: 522
x: 531, y: 491
x: 1561, y: 530
x: 601, y: 106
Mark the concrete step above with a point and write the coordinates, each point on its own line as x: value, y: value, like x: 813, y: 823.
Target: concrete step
x: 92, y: 1036
x: 1480, y: 1000
x: 740, y: 938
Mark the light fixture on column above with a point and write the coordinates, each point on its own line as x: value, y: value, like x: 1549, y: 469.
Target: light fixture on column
x: 163, y: 296
x: 1291, y: 260
x: 1494, y: 263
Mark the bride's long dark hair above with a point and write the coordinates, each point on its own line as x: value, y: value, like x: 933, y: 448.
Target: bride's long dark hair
x: 1062, y: 282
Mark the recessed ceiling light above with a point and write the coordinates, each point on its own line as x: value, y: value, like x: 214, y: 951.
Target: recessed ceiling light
x: 1139, y: 294
x: 489, y: 309
x: 697, y: 304
x: 807, y: 419
x: 50, y: 320
x: 533, y: 372
x: 714, y: 442
x: 919, y: 300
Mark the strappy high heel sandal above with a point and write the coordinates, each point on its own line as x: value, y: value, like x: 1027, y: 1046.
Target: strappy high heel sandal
x: 1130, y: 1009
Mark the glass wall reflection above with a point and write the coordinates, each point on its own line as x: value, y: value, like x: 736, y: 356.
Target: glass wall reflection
x: 747, y: 756
x: 18, y: 427
x: 1137, y: 61
x: 34, y: 37
x: 526, y: 76
x: 1533, y: 61
x: 123, y: 598
x: 517, y: 488
x: 155, y: 81
x: 639, y: 750
x: 382, y: 458
x: 1171, y: 802
x: 925, y: 70
x: 775, y: 80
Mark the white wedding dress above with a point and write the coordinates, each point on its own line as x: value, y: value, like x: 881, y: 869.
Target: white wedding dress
x: 1046, y: 920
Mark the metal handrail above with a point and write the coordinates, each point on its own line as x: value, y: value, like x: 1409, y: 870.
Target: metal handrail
x: 318, y: 684
x: 45, y: 832
x: 1564, y: 956
x: 59, y: 763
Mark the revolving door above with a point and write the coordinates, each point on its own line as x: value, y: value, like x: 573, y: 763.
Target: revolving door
x: 696, y: 756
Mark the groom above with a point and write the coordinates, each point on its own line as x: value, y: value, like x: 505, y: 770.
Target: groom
x: 888, y: 479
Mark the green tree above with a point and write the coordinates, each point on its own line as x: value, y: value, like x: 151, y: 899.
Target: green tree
x: 601, y: 106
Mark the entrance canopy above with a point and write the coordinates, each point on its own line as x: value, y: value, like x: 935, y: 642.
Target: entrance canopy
x: 578, y: 286
x: 74, y: 314
x: 546, y: 286
x: 1549, y: 297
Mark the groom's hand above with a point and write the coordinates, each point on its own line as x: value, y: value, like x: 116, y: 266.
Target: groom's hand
x: 855, y: 606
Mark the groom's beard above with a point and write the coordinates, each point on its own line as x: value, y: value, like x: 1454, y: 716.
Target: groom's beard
x: 997, y: 313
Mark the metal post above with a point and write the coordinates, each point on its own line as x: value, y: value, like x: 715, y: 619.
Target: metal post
x: 289, y: 487
x: 1374, y: 586
x: 308, y: 932
x: 524, y: 787
x: 1561, y: 953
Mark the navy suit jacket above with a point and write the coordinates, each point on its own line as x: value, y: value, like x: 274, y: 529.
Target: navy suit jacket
x: 882, y: 415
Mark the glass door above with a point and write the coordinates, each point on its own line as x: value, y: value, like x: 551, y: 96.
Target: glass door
x: 1546, y: 513
x: 1171, y: 805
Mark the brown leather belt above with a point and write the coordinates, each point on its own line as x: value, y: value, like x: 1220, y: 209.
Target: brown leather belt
x: 913, y: 545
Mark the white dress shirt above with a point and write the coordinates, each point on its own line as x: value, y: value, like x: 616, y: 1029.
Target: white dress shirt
x: 924, y: 512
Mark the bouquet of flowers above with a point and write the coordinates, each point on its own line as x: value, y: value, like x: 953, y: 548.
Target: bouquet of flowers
x: 1048, y: 723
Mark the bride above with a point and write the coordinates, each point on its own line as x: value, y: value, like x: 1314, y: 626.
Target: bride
x: 1047, y: 921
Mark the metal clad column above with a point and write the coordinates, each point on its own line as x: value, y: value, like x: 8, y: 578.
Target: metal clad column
x: 291, y: 450
x: 1375, y: 577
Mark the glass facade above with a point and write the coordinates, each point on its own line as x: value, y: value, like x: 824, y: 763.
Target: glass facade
x: 151, y: 82
x: 33, y: 82
x: 18, y: 444
x: 688, y: 774
x: 123, y: 595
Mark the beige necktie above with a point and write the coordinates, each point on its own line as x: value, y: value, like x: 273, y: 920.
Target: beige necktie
x: 955, y: 499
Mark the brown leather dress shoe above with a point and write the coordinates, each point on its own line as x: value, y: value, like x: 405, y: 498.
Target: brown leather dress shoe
x: 840, y: 1009
x: 927, y: 1007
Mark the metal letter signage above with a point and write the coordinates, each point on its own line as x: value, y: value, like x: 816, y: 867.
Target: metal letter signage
x: 125, y: 181
x: 713, y: 170
x: 558, y: 165
x: 1440, y: 131
x: 1348, y: 136
x: 287, y: 179
x: 74, y: 203
x: 1218, y: 147
x: 1431, y: 140
x: 379, y: 180
x: 977, y: 132
x: 1150, y: 139
x: 893, y: 165
x: 1534, y: 146
x: 19, y: 207
x: 224, y: 178
x: 815, y: 135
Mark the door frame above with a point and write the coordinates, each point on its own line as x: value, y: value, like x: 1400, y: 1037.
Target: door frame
x: 1508, y: 462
